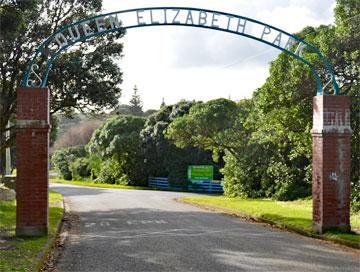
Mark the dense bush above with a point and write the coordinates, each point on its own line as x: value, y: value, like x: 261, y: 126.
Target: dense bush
x: 80, y: 168
x: 162, y: 157
x: 118, y: 145
x: 110, y: 172
x: 64, y: 158
x: 95, y: 164
x: 243, y: 178
x: 280, y: 122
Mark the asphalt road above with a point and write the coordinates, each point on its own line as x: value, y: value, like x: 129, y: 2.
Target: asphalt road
x: 130, y: 230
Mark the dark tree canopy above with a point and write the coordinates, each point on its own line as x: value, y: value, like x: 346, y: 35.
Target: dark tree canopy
x: 163, y: 158
x: 281, y: 119
x: 210, y: 126
x: 85, y: 77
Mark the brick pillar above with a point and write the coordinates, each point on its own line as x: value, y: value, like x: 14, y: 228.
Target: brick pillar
x: 32, y: 142
x: 331, y: 163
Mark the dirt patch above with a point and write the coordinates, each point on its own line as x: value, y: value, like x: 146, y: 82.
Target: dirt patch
x: 6, y: 194
x: 5, y: 243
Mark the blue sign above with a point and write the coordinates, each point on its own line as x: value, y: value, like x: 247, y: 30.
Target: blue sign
x: 87, y: 29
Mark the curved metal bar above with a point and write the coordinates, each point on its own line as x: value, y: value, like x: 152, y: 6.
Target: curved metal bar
x: 318, y: 80
x: 52, y: 37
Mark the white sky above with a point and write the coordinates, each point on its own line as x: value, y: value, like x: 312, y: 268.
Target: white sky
x: 177, y: 63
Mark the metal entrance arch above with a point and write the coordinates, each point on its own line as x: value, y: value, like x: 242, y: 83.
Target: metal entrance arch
x: 331, y: 127
x: 87, y: 29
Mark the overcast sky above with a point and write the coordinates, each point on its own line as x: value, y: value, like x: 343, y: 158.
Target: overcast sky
x: 177, y: 63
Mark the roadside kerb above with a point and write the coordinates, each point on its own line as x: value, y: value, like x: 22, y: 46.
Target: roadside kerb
x: 43, y: 256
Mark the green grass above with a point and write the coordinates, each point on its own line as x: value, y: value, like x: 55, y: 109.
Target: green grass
x: 21, y: 254
x: 99, y: 185
x: 355, y: 221
x: 296, y: 214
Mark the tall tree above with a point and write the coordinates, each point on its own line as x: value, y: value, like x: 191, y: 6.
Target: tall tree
x: 162, y: 157
x: 136, y: 103
x: 210, y: 126
x: 341, y: 45
x: 282, y: 116
x: 219, y: 126
x: 162, y: 103
x: 85, y: 78
x: 347, y: 38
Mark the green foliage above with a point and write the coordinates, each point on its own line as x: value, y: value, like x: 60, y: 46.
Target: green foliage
x: 80, y: 168
x: 64, y: 158
x: 273, y: 153
x: 84, y: 78
x: 292, y: 213
x: 288, y: 182
x: 210, y: 126
x: 118, y: 134
x: 162, y: 157
x: 340, y: 44
x: 280, y: 123
x: 95, y: 163
x: 284, y: 214
x: 347, y: 18
x: 92, y: 88
x: 347, y: 56
x: 122, y: 109
x: 54, y: 122
x: 219, y: 126
x: 110, y: 172
x: 355, y: 194
x: 22, y: 254
x: 135, y: 104
x: 61, y: 164
x: 245, y: 174
x: 281, y: 120
x: 91, y: 183
x: 12, y: 16
x: 117, y: 142
x: 268, y: 145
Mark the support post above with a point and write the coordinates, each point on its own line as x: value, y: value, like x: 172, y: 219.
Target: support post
x: 331, y: 136
x: 32, y: 143
x: 7, y: 152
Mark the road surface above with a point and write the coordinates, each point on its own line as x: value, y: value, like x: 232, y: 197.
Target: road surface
x: 132, y: 230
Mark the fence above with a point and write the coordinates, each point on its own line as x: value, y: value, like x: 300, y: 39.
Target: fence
x: 200, y: 186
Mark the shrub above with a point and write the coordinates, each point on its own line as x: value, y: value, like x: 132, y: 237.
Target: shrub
x: 243, y: 177
x: 63, y: 158
x: 80, y: 168
x: 95, y: 163
x: 110, y: 172
x: 265, y: 178
x: 118, y: 142
x: 60, y: 161
x: 162, y: 157
x: 355, y: 195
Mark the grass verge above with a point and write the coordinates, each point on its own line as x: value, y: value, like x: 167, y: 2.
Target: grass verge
x: 112, y: 186
x: 99, y: 185
x: 294, y: 215
x: 23, y: 254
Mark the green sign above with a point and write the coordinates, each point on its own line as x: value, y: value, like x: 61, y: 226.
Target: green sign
x: 201, y: 172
